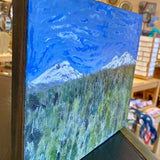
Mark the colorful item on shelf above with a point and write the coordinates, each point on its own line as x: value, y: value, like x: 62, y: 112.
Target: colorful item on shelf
x: 80, y: 65
x: 132, y: 103
x: 150, y: 102
x: 140, y: 103
x: 152, y: 21
x: 8, y: 65
x: 5, y: 23
x: 3, y: 72
x: 144, y: 103
x: 153, y: 112
x: 147, y: 129
x: 154, y: 30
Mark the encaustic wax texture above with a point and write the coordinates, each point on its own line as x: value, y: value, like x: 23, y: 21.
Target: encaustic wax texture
x: 81, y: 56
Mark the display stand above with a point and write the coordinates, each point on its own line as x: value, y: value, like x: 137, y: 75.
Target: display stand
x: 122, y: 146
x: 18, y: 103
x: 147, y: 54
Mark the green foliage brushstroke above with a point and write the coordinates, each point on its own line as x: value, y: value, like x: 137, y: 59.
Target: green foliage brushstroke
x: 72, y: 119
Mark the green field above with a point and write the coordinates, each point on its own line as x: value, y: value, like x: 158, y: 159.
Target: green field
x: 68, y: 121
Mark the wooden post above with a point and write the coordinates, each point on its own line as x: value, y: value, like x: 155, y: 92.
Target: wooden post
x: 155, y: 95
x: 18, y: 81
x: 155, y: 147
x: 150, y: 58
x: 137, y: 130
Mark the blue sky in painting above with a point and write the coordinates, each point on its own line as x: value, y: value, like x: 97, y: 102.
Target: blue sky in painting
x: 87, y: 33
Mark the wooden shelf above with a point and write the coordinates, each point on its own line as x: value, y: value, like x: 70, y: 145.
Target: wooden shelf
x: 156, y: 117
x: 6, y: 74
x: 5, y: 57
x: 145, y: 108
x: 143, y: 85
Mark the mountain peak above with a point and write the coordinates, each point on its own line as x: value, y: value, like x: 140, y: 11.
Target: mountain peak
x: 125, y: 59
x: 126, y: 55
x: 65, y: 63
x: 115, y: 58
x: 57, y: 74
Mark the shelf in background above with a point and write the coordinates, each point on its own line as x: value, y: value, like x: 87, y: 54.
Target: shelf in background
x: 146, y: 108
x: 143, y: 85
x: 5, y: 57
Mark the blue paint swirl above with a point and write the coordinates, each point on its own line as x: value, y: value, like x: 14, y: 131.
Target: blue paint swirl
x: 87, y: 33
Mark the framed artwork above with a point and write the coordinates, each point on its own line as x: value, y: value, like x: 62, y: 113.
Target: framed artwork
x: 148, y: 10
x: 126, y: 5
x: 146, y: 6
x: 113, y: 2
x: 77, y: 77
x: 152, y: 21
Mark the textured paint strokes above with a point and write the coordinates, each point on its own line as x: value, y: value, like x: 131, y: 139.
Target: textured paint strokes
x: 81, y: 56
x: 82, y: 32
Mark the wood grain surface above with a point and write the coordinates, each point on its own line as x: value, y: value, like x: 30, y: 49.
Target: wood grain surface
x: 18, y: 81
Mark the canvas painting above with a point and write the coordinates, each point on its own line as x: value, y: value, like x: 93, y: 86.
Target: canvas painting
x: 81, y: 56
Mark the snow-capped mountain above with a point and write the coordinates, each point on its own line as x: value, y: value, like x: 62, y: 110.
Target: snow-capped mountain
x: 124, y: 60
x: 59, y: 73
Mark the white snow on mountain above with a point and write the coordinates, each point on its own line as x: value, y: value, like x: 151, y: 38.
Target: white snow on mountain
x: 64, y: 72
x: 59, y: 73
x: 124, y: 60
